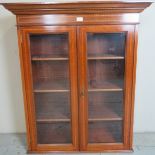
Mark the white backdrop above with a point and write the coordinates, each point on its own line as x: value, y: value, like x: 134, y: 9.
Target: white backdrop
x: 11, y: 99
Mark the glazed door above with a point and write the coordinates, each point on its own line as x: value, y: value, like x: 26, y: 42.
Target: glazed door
x: 105, y: 80
x: 50, y: 72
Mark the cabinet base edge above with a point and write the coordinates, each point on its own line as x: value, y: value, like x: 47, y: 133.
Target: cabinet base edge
x: 101, y: 151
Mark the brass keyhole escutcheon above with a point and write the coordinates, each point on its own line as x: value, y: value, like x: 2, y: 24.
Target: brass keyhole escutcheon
x: 82, y: 93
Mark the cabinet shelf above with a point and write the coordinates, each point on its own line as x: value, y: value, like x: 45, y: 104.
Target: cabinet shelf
x: 105, y: 84
x: 50, y: 91
x: 104, y: 119
x: 48, y: 59
x: 106, y: 58
x: 105, y: 90
x: 52, y: 120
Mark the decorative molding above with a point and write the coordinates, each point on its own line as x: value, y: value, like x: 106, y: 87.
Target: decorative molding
x: 90, y: 7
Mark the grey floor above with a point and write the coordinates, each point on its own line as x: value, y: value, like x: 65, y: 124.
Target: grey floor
x: 15, y: 144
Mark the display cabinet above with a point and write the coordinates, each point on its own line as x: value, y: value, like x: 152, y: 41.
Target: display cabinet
x: 78, y: 65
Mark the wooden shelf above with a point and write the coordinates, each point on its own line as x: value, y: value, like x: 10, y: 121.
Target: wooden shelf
x: 50, y: 91
x: 105, y: 90
x: 48, y: 59
x: 105, y: 85
x: 106, y: 58
x: 104, y: 119
x: 52, y: 85
x: 52, y: 120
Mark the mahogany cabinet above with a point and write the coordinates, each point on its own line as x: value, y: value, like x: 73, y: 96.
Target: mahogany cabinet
x: 78, y: 65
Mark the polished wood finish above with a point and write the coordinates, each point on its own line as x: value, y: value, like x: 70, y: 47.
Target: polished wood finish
x: 83, y: 83
x: 126, y: 18
x: 24, y: 32
x: 90, y: 112
x: 83, y: 7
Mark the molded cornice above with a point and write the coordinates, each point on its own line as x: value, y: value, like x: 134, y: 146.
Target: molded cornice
x: 83, y: 7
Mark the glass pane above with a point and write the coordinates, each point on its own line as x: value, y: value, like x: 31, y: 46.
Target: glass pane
x: 50, y: 71
x: 105, y: 44
x: 52, y: 105
x: 105, y: 132
x: 54, y: 133
x: 105, y: 72
x: 105, y: 105
x: 49, y: 45
x: 50, y: 75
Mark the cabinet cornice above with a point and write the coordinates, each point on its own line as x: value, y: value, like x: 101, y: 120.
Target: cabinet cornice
x: 83, y: 7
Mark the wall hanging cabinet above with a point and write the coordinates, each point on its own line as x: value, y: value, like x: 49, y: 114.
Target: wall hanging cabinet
x: 78, y: 64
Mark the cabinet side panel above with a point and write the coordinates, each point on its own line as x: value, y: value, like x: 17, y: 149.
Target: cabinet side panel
x: 133, y: 84
x: 26, y: 107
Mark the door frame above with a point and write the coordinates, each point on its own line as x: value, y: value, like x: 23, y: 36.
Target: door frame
x: 26, y: 73
x: 128, y: 87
